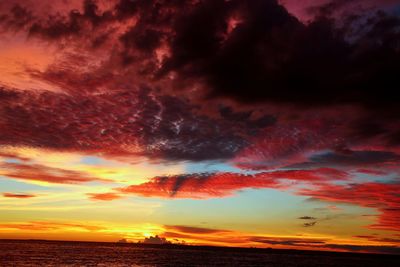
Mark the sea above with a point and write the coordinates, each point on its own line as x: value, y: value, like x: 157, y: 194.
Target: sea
x: 45, y: 253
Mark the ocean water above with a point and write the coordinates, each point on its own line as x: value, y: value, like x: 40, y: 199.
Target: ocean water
x: 39, y: 253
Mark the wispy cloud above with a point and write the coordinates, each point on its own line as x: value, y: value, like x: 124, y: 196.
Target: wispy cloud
x: 18, y: 195
x: 38, y: 172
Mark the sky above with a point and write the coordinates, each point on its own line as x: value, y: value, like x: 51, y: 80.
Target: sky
x: 256, y: 123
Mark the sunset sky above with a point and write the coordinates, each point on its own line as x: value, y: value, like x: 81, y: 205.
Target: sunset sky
x: 256, y: 123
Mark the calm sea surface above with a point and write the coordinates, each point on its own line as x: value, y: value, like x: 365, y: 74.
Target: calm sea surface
x: 40, y: 253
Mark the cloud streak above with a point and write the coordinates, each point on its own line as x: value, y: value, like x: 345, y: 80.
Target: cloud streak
x: 201, y: 235
x: 104, y: 196
x: 38, y: 172
x: 18, y: 195
x: 48, y: 226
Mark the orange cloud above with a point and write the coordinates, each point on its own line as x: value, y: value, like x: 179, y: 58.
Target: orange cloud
x: 104, y: 196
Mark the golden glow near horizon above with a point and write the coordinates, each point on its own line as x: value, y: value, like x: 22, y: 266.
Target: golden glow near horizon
x: 106, y: 232
x: 64, y: 211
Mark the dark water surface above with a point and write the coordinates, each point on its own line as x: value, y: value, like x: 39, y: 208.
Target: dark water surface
x: 41, y: 253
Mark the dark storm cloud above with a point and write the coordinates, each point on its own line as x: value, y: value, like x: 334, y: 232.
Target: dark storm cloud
x: 134, y: 122
x: 361, y: 158
x: 145, y: 40
x: 352, y: 159
x: 17, y: 18
x: 252, y: 51
x: 328, y: 8
x: 271, y: 56
x: 55, y: 27
x: 126, y: 8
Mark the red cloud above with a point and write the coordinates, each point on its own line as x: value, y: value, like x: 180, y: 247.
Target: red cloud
x: 288, y: 143
x: 210, y: 185
x: 383, y: 196
x: 13, y: 195
x: 38, y: 172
